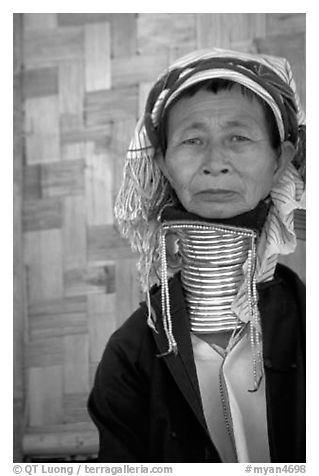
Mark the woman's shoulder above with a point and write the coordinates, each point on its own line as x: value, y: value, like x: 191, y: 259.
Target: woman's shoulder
x: 286, y: 291
x: 286, y: 277
x: 133, y: 328
x: 135, y: 331
x: 291, y: 279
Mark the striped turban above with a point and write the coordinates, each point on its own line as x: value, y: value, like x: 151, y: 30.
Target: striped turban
x: 144, y: 189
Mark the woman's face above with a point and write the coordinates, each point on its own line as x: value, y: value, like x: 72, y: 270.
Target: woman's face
x: 219, y: 159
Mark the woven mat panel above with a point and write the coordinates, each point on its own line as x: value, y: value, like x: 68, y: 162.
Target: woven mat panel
x: 86, y: 76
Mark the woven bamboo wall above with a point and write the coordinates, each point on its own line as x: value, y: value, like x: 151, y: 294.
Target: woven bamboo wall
x: 84, y: 84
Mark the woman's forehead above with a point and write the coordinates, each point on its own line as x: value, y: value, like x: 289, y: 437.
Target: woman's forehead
x: 230, y: 107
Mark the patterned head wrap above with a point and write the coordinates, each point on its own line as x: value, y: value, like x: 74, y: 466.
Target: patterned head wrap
x: 145, y: 191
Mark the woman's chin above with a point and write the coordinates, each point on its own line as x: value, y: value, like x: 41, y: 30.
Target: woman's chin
x: 219, y: 212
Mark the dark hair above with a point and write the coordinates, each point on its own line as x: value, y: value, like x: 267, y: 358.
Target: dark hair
x: 214, y: 86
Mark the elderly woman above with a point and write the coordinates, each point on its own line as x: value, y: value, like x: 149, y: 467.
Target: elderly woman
x: 211, y: 367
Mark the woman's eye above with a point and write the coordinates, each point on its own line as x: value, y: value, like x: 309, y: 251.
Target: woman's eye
x: 192, y: 141
x: 239, y: 138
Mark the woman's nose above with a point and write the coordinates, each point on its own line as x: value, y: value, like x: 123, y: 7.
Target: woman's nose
x: 215, y: 161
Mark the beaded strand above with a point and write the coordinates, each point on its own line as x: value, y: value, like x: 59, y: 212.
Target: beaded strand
x: 166, y: 310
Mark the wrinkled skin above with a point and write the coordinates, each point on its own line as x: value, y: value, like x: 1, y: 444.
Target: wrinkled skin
x: 219, y: 157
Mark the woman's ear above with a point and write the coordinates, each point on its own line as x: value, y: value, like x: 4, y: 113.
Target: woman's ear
x: 287, y: 153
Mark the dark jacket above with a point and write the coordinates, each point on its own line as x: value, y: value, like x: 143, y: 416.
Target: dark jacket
x: 148, y: 409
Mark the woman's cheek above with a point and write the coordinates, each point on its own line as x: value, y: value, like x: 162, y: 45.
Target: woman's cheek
x: 180, y: 177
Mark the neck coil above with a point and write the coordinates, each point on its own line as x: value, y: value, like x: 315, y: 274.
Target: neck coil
x: 212, y: 258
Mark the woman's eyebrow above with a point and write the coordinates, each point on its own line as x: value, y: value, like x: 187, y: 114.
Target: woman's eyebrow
x: 240, y: 123
x: 183, y: 129
x: 198, y: 125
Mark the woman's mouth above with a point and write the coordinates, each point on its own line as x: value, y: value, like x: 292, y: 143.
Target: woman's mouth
x: 215, y: 195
